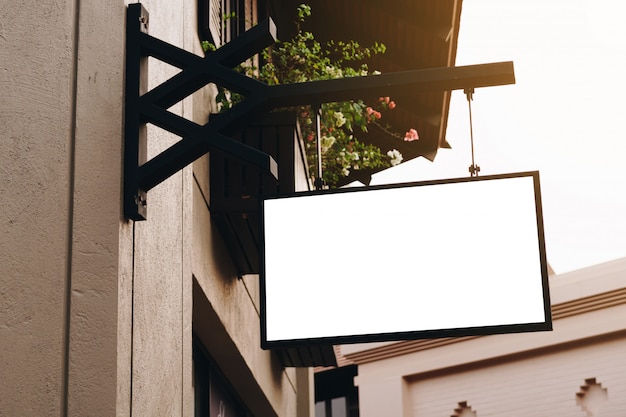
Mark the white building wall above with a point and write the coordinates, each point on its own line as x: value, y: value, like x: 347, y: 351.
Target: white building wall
x: 523, y: 374
x: 536, y: 385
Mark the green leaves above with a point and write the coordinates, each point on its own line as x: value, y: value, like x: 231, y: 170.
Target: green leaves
x: 304, y: 11
x: 208, y: 46
x: 303, y: 58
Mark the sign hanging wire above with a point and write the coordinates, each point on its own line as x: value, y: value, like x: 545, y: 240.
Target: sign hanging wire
x: 469, y: 93
x: 319, y: 182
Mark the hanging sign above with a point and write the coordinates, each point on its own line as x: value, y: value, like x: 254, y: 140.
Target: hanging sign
x: 419, y: 260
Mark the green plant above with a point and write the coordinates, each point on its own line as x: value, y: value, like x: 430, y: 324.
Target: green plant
x: 303, y: 59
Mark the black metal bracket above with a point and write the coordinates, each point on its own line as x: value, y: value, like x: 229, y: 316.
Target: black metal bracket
x: 151, y: 107
x: 144, y: 106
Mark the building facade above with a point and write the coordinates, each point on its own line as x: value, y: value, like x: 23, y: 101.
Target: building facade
x: 577, y: 369
x: 101, y: 315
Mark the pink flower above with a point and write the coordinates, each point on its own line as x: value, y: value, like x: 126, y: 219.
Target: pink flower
x: 392, y: 105
x: 411, y: 135
x: 372, y: 114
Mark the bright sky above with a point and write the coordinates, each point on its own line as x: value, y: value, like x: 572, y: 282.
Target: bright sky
x: 565, y: 116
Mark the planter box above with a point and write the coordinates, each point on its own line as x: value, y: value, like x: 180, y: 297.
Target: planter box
x: 235, y: 186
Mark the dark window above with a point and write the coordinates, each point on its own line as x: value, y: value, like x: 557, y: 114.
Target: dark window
x: 334, y: 407
x: 220, y: 21
x: 213, y: 395
x: 335, y: 393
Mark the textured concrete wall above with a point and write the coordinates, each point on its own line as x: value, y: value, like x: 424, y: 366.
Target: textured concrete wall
x: 96, y: 311
x: 226, y: 318
x: 97, y: 221
x: 66, y: 292
x: 36, y: 148
x: 226, y: 311
x: 161, y: 341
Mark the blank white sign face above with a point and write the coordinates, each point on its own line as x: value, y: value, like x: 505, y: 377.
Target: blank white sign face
x: 412, y: 261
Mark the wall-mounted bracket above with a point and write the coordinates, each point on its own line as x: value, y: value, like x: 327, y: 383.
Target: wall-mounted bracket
x: 151, y: 107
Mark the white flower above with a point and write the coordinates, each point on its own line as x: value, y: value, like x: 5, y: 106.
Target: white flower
x: 327, y: 142
x: 376, y: 73
x: 340, y: 119
x: 334, y: 72
x: 395, y: 156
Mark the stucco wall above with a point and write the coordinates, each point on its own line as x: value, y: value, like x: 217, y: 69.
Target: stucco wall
x: 537, y: 385
x: 96, y: 221
x: 36, y: 119
x: 159, y: 373
x: 227, y: 321
x: 61, y: 117
x: 96, y: 311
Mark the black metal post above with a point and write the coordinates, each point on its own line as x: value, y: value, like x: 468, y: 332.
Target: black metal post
x: 135, y: 135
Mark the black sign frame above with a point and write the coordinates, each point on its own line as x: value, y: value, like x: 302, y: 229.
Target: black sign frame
x: 544, y: 324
